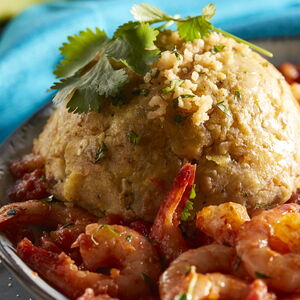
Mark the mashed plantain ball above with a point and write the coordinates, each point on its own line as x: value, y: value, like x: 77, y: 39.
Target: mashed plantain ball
x: 213, y: 102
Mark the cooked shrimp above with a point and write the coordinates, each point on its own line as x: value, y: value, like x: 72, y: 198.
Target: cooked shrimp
x: 90, y: 295
x: 165, y: 230
x: 133, y: 261
x: 36, y: 212
x: 269, y: 246
x: 60, y: 271
x: 222, y: 222
x: 207, y: 259
x: 67, y: 222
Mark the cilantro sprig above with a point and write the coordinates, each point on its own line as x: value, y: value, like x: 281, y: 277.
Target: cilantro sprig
x: 89, y: 77
x: 189, y: 28
x: 88, y: 74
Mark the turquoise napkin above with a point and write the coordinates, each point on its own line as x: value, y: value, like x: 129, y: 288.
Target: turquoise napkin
x: 29, y: 45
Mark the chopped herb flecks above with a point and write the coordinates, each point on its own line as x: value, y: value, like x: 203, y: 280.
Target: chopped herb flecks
x: 237, y: 94
x: 47, y: 199
x: 261, y: 275
x: 178, y: 56
x: 133, y: 137
x: 143, y: 92
x: 128, y: 238
x: 108, y: 227
x: 217, y: 49
x: 179, y: 118
x: 222, y: 107
x: 101, y: 153
x: 193, y: 193
x: 181, y: 296
x: 11, y: 212
x: 67, y: 225
x: 174, y: 84
x: 186, y: 213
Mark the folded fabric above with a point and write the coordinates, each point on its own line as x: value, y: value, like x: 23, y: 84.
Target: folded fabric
x: 29, y: 45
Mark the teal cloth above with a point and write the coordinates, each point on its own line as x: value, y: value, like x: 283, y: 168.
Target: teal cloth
x: 29, y: 45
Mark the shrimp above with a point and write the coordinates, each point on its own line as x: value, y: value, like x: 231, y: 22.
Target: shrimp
x: 36, y: 212
x: 133, y: 261
x: 165, y: 230
x: 61, y: 272
x: 269, y: 246
x: 222, y: 222
x: 67, y: 222
x: 207, y: 259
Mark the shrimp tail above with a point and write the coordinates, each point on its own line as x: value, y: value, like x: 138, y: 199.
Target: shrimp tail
x: 165, y: 230
x: 61, y: 272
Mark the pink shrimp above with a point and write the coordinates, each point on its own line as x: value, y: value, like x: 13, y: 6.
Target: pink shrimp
x: 165, y: 230
x: 222, y: 222
x: 61, y: 272
x: 269, y: 246
x: 205, y: 284
x: 133, y: 261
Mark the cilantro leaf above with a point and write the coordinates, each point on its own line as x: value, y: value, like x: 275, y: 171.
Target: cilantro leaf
x: 124, y: 27
x: 194, y: 28
x: 79, y: 51
x: 144, y: 12
x: 134, y: 47
x: 90, y: 89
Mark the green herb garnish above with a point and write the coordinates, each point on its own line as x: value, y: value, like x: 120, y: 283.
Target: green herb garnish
x: 176, y: 100
x: 67, y: 225
x: 237, y: 94
x: 133, y: 137
x: 189, y: 28
x: 128, y: 238
x: 11, y: 212
x: 181, y: 296
x: 143, y: 92
x: 178, y: 56
x: 108, y: 227
x: 174, y: 84
x: 261, y: 275
x: 101, y: 153
x: 222, y: 107
x: 193, y: 192
x: 217, y: 49
x: 186, y: 213
x: 89, y: 79
x: 179, y: 118
x: 175, y: 103
x: 48, y: 199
